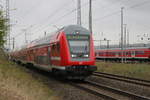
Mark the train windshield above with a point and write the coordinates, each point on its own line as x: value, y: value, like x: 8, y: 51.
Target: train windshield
x: 79, y: 45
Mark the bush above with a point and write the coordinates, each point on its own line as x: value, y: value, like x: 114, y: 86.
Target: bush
x: 3, y: 29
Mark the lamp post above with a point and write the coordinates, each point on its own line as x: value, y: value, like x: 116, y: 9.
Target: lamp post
x: 1, y: 7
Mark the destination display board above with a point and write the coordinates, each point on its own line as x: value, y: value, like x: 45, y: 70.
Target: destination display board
x: 71, y: 37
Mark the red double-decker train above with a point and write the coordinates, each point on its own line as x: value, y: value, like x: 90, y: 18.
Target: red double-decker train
x: 141, y: 54
x: 69, y: 51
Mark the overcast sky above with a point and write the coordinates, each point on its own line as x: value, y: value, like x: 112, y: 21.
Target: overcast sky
x: 38, y: 16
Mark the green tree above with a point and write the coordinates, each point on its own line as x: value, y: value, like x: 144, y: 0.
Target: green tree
x: 3, y: 28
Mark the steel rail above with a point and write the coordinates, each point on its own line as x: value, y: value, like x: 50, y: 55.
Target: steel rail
x: 123, y: 78
x: 118, y: 91
x: 92, y: 91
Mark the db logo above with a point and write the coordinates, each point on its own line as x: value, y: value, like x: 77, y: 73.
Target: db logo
x: 45, y: 54
x: 80, y: 63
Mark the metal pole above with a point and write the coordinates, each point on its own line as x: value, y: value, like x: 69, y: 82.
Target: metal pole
x: 107, y: 47
x: 125, y: 35
x: 79, y: 12
x: 100, y: 39
x: 100, y: 44
x: 45, y: 33
x: 1, y: 7
x: 25, y: 33
x: 119, y: 40
x: 13, y: 43
x: 90, y: 16
x: 108, y: 44
x: 26, y: 36
x: 125, y: 40
x: 122, y: 34
x: 8, y: 21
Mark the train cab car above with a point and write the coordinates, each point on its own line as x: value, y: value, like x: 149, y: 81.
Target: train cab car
x: 76, y: 55
x: 69, y: 51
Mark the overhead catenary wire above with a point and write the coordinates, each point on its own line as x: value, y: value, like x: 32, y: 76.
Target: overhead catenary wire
x: 50, y: 16
x: 63, y: 16
x: 117, y: 12
x: 29, y: 10
x: 139, y: 4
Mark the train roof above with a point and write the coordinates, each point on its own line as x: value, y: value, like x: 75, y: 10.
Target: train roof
x: 128, y: 48
x: 116, y: 46
x: 75, y: 29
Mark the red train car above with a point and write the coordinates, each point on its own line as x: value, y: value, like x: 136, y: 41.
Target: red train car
x: 130, y: 54
x: 69, y: 51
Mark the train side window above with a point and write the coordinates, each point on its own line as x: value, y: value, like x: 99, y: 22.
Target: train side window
x: 139, y: 52
x: 127, y: 53
x: 116, y: 53
x: 119, y: 53
x: 113, y: 53
x: 100, y: 54
x: 97, y: 54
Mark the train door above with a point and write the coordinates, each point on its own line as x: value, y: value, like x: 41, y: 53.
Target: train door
x: 117, y: 54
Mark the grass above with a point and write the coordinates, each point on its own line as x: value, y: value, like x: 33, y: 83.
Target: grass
x: 141, y: 71
x: 13, y: 78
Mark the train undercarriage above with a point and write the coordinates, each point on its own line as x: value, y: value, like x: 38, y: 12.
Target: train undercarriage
x: 67, y: 72
x: 75, y: 72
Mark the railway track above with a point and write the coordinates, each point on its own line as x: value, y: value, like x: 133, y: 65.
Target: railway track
x: 127, y: 62
x: 107, y: 92
x: 135, y: 81
x: 104, y: 91
x: 91, y: 90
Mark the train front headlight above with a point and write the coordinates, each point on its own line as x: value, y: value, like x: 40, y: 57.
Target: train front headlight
x: 73, y: 55
x: 86, y: 55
